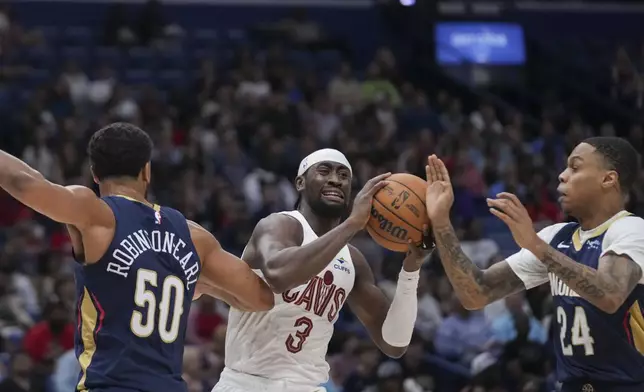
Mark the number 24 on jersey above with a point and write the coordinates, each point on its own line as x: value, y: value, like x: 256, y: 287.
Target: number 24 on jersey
x: 579, y: 332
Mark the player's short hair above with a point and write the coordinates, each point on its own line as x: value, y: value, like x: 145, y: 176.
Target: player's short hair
x: 620, y: 155
x: 119, y: 150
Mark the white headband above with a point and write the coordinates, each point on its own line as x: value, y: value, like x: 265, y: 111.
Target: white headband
x: 323, y: 155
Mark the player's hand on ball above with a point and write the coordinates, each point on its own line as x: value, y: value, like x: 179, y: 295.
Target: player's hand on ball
x: 439, y: 196
x: 419, y: 253
x: 362, y: 203
x: 509, y: 209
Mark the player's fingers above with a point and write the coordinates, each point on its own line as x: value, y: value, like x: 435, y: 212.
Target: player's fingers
x: 412, y: 249
x: 428, y: 175
x: 443, y: 170
x: 510, y: 196
x: 372, y: 182
x: 502, y: 205
x: 499, y: 214
x: 378, y: 186
x: 511, y: 204
x: 432, y: 168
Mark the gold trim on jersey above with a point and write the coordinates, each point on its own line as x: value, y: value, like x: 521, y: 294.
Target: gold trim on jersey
x: 597, y: 231
x: 155, y: 207
x: 636, y: 322
x: 88, y: 322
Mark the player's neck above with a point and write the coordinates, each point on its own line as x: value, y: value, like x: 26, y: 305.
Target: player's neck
x: 319, y: 225
x: 127, y: 188
x: 600, y: 214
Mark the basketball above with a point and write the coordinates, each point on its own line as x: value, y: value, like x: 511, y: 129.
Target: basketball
x: 398, y: 212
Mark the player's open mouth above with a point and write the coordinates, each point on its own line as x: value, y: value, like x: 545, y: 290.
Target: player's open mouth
x: 333, y: 195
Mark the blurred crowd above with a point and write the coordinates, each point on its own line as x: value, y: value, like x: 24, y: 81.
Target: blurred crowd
x: 228, y: 140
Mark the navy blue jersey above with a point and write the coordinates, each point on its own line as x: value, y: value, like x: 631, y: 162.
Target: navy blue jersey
x: 133, y: 303
x: 591, y: 344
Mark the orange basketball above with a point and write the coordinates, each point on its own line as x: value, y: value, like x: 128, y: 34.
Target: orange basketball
x: 398, y: 212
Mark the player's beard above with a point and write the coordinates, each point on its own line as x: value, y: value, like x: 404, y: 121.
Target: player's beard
x: 325, y: 210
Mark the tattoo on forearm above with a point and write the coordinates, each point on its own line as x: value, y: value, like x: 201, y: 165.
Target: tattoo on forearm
x: 619, y: 278
x: 471, y: 283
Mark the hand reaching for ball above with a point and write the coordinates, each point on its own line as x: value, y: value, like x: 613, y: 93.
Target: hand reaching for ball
x: 362, y: 203
x: 419, y: 254
x: 439, y: 196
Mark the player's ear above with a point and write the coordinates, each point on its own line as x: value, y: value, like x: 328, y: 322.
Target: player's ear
x: 299, y: 183
x: 611, y: 179
x: 146, y: 173
x: 91, y: 170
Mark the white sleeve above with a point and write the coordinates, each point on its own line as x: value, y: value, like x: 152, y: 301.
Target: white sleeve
x: 527, y: 266
x: 626, y: 237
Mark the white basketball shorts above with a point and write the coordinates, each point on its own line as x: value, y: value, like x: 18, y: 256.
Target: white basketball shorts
x: 232, y: 381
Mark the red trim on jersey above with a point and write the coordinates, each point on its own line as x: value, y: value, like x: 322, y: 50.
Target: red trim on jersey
x: 101, y: 314
x: 80, y: 314
x: 627, y: 327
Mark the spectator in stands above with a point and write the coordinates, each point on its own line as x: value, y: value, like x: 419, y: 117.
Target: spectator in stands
x: 628, y: 87
x: 515, y: 324
x: 20, y: 377
x: 429, y: 311
x: 478, y: 248
x: 344, y: 90
x: 13, y: 314
x: 77, y: 81
x: 453, y: 119
x: 117, y: 30
x: 485, y: 119
x: 416, y: 369
x: 365, y: 374
x: 376, y: 86
x: 463, y: 334
x: 50, y: 338
x: 66, y: 371
x: 39, y: 156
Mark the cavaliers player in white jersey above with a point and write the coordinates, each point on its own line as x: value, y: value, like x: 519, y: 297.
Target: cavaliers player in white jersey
x: 305, y: 257
x: 594, y: 265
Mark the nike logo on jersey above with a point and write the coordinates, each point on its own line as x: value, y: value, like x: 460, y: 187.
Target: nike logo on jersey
x: 562, y: 245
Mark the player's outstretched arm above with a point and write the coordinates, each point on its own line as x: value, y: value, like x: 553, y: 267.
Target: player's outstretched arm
x: 474, y: 287
x: 276, y: 249
x: 227, y: 277
x: 75, y: 205
x: 618, y: 271
x: 390, y: 324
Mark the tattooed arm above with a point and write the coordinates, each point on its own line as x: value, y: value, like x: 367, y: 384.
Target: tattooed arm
x: 474, y: 287
x: 618, y: 271
x: 606, y: 287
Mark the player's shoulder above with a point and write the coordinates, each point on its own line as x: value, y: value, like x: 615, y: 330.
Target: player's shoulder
x: 82, y: 191
x: 549, y: 232
x: 97, y: 211
x: 630, y: 225
x: 203, y: 240
x: 278, y: 222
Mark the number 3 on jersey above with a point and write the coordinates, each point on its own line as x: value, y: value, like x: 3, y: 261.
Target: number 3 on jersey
x: 304, y: 326
x: 579, y: 332
x: 144, y: 298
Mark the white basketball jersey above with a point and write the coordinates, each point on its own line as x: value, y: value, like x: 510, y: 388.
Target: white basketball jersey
x: 289, y: 342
